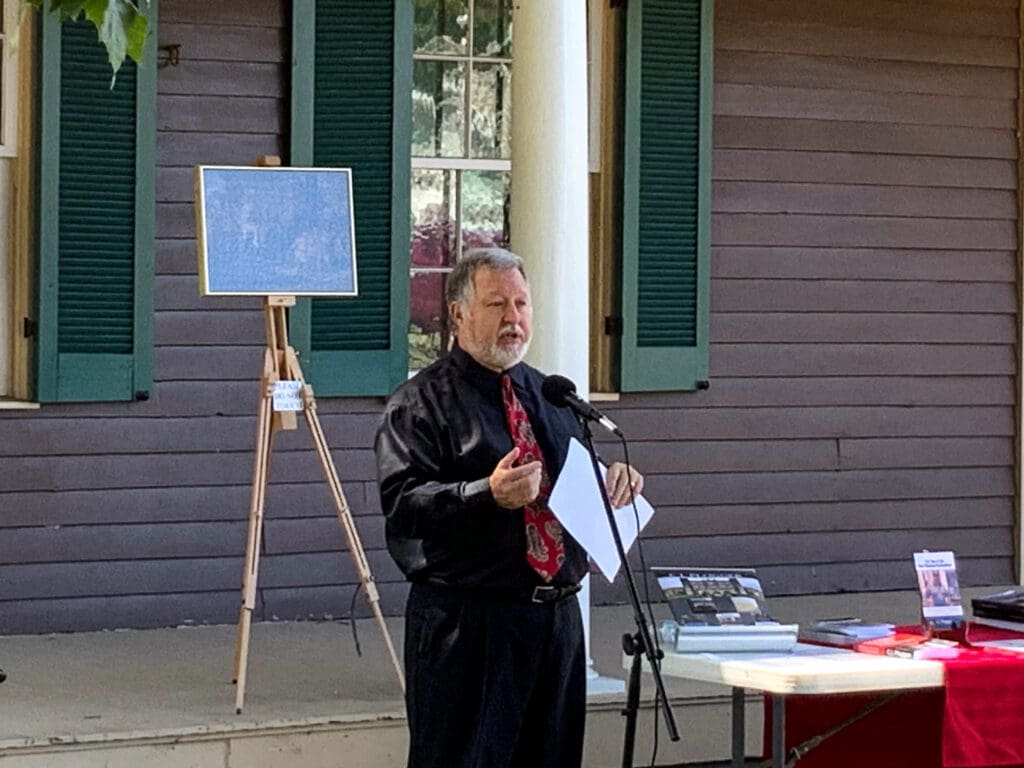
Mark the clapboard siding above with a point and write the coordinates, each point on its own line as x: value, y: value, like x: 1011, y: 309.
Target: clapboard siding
x: 756, y: 31
x: 862, y: 349
x: 851, y: 74
x: 863, y: 168
x: 753, y: 262
x: 226, y: 42
x: 864, y: 217
x: 238, y: 114
x: 191, y: 503
x: 808, y: 517
x: 861, y: 137
x: 931, y: 328
x: 851, y: 199
x: 734, y: 295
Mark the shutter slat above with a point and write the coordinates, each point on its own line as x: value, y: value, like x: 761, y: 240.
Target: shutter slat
x: 96, y: 252
x: 669, y: 152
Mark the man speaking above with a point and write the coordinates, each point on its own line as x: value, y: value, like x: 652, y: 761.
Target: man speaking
x: 467, y: 454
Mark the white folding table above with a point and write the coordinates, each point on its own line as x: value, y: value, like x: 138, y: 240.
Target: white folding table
x: 807, y: 670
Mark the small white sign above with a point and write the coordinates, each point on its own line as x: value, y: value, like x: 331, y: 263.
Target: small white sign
x: 286, y: 396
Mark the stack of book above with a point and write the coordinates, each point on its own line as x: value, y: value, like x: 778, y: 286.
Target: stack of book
x: 843, y: 633
x: 1004, y: 609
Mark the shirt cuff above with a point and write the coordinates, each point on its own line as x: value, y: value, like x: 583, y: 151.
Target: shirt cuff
x: 478, y: 492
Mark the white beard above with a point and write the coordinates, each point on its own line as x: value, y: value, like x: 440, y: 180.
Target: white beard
x: 495, y: 355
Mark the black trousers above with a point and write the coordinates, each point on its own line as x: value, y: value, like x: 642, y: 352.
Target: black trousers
x: 493, y: 684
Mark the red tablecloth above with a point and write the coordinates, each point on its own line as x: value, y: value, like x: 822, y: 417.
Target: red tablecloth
x: 977, y: 720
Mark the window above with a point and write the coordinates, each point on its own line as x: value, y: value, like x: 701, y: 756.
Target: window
x: 414, y: 97
x: 461, y: 131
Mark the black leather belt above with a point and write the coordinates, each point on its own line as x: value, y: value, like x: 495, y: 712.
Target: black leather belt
x: 553, y: 594
x: 540, y: 594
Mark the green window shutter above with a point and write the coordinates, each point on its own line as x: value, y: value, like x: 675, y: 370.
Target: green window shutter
x: 96, y: 219
x: 667, y: 195
x: 351, y: 108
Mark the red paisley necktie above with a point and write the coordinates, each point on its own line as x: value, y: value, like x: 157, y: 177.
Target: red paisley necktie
x: 545, y: 548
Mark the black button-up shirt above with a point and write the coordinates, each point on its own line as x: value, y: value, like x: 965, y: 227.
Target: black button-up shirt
x: 443, y: 433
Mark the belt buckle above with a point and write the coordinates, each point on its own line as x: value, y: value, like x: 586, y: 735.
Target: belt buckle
x: 543, y: 594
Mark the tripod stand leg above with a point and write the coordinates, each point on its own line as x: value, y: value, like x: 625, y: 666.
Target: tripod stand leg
x: 351, y: 534
x: 264, y: 436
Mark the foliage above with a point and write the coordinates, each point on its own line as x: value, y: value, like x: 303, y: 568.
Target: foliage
x: 120, y: 24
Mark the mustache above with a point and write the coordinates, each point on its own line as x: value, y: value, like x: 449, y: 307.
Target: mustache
x: 510, y: 328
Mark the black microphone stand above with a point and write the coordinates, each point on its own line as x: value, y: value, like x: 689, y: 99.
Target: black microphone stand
x: 636, y: 645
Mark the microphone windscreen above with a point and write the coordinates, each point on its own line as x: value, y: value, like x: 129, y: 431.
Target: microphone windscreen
x: 555, y: 388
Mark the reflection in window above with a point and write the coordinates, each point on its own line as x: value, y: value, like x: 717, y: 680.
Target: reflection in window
x: 461, y: 147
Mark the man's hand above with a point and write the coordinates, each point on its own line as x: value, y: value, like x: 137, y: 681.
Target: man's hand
x: 512, y: 486
x: 622, y: 486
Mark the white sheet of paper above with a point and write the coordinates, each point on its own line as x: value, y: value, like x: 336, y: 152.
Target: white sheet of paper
x: 576, y: 502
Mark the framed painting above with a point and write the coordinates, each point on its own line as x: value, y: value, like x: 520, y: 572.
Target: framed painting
x: 275, y: 231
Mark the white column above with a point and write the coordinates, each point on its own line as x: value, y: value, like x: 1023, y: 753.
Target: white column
x: 550, y: 197
x: 551, y: 200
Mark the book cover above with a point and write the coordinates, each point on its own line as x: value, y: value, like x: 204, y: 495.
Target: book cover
x: 939, y: 587
x: 714, y: 596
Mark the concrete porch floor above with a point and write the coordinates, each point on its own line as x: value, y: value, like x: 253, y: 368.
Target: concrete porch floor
x: 164, y: 697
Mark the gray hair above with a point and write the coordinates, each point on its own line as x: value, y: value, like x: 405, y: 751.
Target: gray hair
x: 459, y: 287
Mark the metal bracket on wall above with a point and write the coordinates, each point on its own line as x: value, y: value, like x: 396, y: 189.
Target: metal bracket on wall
x: 170, y: 55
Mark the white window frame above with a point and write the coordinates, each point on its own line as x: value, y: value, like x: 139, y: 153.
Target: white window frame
x: 458, y: 164
x: 9, y: 82
x: 464, y: 163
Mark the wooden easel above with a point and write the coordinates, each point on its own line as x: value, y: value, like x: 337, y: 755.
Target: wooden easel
x: 280, y: 363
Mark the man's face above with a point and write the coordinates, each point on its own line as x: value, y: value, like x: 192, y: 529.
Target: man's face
x: 494, y: 325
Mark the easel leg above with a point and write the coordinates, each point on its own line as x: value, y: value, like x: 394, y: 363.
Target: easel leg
x: 264, y: 435
x: 351, y: 534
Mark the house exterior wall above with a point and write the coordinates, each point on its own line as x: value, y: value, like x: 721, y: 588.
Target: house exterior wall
x: 863, y: 338
x: 864, y: 254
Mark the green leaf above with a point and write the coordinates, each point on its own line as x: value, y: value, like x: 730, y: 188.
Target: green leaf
x: 121, y: 27
x: 137, y: 30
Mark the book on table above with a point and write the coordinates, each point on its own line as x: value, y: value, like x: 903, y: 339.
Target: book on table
x: 719, y: 609
x: 1006, y: 606
x: 844, y: 632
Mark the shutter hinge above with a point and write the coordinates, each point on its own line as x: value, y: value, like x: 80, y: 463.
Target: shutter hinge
x: 28, y: 327
x: 613, y: 325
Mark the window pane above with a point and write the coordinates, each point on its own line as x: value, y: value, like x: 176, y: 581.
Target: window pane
x: 492, y: 111
x: 439, y: 26
x: 433, y: 218
x: 485, y: 200
x: 428, y: 319
x: 492, y: 28
x: 438, y: 95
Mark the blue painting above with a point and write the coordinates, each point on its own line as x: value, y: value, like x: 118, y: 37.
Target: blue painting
x: 286, y: 231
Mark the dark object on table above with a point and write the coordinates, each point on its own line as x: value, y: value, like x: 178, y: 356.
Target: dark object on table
x: 1007, y: 605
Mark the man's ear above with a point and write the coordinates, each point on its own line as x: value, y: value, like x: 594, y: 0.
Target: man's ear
x: 456, y: 314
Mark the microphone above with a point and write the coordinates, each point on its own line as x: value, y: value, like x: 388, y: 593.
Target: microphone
x: 561, y: 392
